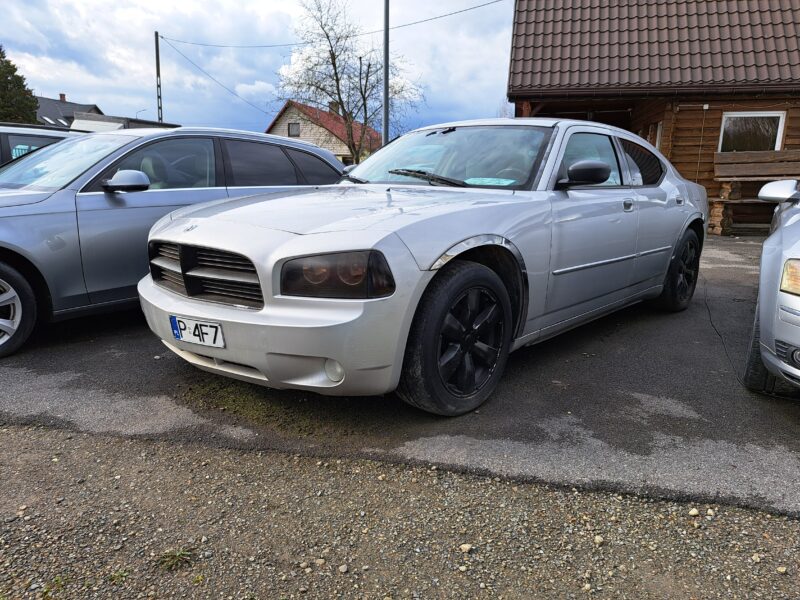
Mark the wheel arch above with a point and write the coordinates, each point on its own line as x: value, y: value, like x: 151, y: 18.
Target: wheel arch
x: 504, y: 258
x: 33, y: 275
x: 697, y: 225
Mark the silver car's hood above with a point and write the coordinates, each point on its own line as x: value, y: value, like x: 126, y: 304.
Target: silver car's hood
x: 345, y: 207
x: 11, y: 197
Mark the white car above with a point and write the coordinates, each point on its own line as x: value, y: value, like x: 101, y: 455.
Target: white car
x: 443, y: 252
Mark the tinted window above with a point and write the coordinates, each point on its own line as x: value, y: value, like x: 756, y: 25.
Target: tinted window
x: 255, y: 164
x: 591, y: 146
x: 645, y: 167
x: 171, y: 164
x: 22, y: 144
x: 316, y: 170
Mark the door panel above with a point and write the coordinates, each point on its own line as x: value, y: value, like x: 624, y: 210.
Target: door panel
x: 662, y: 213
x: 593, y: 249
x: 114, y: 226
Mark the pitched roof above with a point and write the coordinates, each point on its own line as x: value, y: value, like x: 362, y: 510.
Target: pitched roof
x: 331, y: 121
x: 55, y: 109
x: 596, y: 47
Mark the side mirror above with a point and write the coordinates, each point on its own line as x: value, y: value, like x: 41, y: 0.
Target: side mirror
x: 127, y: 181
x: 348, y: 168
x: 586, y: 172
x: 780, y: 191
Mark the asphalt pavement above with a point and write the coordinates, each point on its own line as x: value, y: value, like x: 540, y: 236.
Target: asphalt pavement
x: 641, y: 401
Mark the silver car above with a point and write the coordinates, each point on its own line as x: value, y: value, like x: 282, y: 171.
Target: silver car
x: 74, y: 216
x: 441, y: 253
x: 774, y: 352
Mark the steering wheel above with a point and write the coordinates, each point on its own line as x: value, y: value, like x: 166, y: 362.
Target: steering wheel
x: 512, y: 173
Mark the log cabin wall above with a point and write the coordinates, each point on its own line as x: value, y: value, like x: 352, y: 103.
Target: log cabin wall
x: 695, y: 135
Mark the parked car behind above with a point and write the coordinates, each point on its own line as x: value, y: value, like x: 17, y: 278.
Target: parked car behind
x: 774, y: 352
x: 446, y: 250
x: 17, y: 140
x: 74, y: 216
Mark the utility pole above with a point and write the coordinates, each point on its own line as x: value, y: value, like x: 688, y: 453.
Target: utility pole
x: 385, y: 72
x: 158, y: 81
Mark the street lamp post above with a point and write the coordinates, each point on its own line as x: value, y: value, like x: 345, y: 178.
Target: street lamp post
x: 385, y: 72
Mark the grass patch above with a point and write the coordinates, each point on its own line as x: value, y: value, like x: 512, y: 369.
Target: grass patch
x: 174, y: 559
x: 118, y: 577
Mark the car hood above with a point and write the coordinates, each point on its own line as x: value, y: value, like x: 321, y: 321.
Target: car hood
x: 345, y: 207
x: 11, y: 197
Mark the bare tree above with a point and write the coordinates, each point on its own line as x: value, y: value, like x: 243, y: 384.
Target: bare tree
x: 334, y: 68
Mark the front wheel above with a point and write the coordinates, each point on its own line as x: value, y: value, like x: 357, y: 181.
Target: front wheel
x: 684, y: 269
x: 459, y: 341
x: 17, y: 310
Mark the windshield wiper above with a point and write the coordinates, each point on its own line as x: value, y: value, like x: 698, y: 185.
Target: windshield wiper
x: 353, y: 178
x: 429, y: 177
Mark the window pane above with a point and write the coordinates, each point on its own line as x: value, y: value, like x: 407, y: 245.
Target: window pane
x: 255, y: 164
x: 294, y: 129
x: 171, y: 164
x: 740, y: 134
x: 22, y: 144
x: 591, y: 146
x: 317, y: 171
x: 645, y: 167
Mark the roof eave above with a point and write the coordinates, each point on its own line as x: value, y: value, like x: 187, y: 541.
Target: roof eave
x: 709, y: 89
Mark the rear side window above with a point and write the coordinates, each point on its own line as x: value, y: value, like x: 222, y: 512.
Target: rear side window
x: 253, y: 164
x: 645, y: 167
x: 316, y: 170
x: 22, y: 144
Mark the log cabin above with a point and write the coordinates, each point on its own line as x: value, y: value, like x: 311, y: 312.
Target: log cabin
x: 715, y: 85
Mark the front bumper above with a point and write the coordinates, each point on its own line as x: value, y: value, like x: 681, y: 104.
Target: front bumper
x: 286, y: 345
x: 782, y: 338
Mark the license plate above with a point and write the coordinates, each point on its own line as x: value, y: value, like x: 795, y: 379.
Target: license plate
x: 197, y: 332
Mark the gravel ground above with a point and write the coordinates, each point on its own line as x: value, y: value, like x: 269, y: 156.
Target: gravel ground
x: 89, y: 516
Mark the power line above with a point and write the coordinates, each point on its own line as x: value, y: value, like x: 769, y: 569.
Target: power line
x: 212, y: 78
x: 296, y: 44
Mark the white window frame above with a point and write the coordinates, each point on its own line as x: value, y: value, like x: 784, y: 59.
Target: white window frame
x: 756, y: 113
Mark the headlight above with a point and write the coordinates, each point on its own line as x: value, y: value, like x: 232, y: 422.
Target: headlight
x: 363, y: 274
x: 790, y: 280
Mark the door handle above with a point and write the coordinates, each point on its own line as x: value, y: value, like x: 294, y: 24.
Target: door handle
x: 627, y: 204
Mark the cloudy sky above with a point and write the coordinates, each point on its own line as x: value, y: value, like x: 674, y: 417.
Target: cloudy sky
x: 101, y: 52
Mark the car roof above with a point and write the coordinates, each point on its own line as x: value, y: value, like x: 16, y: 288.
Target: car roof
x: 157, y: 132
x: 529, y: 121
x: 41, y: 131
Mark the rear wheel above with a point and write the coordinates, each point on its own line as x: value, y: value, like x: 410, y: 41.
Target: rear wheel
x: 684, y: 269
x: 459, y: 340
x: 17, y: 310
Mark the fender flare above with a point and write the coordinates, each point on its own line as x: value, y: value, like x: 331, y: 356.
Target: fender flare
x: 489, y: 239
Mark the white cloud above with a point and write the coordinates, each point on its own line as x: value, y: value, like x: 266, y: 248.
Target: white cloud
x: 101, y: 52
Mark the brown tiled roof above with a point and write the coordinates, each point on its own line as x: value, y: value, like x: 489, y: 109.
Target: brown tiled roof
x: 332, y: 122
x: 598, y: 47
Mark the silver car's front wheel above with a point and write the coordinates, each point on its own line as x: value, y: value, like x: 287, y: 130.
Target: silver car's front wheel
x: 17, y: 309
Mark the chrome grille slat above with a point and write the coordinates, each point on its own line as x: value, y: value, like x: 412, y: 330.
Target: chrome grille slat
x: 206, y: 274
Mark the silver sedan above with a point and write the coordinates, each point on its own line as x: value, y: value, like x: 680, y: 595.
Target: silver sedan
x: 440, y: 254
x: 774, y: 353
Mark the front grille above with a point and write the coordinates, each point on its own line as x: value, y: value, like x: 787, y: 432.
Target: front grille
x: 206, y: 274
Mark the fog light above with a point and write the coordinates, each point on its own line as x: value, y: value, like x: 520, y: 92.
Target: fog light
x: 796, y: 357
x: 334, y: 370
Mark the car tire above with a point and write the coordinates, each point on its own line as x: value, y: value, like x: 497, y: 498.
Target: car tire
x: 682, y: 274
x: 756, y: 377
x: 18, y: 310
x: 459, y: 341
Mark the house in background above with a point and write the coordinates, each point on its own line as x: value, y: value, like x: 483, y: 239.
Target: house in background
x: 715, y: 85
x: 325, y: 128
x: 61, y: 113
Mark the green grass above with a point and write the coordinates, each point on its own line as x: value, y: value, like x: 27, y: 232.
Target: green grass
x: 174, y: 559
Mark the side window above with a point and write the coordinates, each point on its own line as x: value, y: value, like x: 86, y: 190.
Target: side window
x: 170, y: 164
x: 645, y: 167
x: 316, y: 170
x: 591, y: 146
x: 294, y: 129
x: 22, y: 144
x: 253, y: 164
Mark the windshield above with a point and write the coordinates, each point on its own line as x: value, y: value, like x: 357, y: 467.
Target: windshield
x: 490, y: 156
x: 53, y: 167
